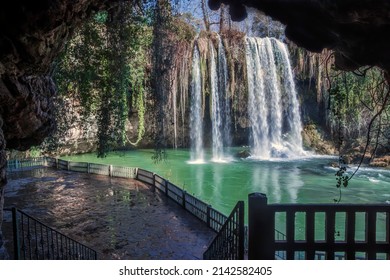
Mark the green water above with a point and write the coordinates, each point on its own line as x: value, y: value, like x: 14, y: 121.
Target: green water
x: 307, y: 180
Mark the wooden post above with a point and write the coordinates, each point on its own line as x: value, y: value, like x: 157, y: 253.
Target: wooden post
x: 110, y: 170
x: 261, y: 226
x: 56, y: 163
x: 67, y: 165
x: 88, y: 168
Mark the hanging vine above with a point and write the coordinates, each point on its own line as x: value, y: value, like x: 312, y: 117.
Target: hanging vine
x: 102, y: 70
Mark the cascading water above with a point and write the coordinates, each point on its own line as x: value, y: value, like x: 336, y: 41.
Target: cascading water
x: 272, y: 101
x: 196, y: 125
x: 224, y: 94
x: 292, y: 104
x: 216, y: 109
x: 220, y: 103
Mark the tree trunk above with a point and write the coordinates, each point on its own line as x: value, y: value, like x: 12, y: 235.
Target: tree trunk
x: 206, y: 18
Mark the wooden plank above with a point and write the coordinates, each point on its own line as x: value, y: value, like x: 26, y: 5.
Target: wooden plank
x: 370, y: 231
x: 350, y: 253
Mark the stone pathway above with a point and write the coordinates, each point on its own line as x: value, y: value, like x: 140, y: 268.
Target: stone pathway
x: 120, y: 218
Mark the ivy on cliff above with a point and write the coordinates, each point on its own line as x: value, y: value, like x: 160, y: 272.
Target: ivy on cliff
x: 104, y: 72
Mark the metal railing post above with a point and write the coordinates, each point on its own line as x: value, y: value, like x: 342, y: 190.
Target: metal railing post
x: 154, y: 183
x: 166, y: 187
x: 183, y: 203
x: 208, y: 216
x: 241, y: 234
x: 16, y: 234
x: 261, y: 226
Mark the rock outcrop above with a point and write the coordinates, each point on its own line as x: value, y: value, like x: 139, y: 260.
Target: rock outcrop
x: 32, y: 34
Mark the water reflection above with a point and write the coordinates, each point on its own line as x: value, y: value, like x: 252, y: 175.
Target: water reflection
x: 197, y: 182
x: 294, y: 183
x: 281, y: 184
x: 259, y: 183
x: 274, y: 181
x: 217, y: 170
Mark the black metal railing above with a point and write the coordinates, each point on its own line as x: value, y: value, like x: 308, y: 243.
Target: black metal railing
x: 84, y: 167
x: 230, y: 240
x: 16, y: 164
x: 203, y: 211
x: 33, y: 240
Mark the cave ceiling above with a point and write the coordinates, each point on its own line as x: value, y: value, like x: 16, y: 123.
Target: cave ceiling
x: 357, y: 31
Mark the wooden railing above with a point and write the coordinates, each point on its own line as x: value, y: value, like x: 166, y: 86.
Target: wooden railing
x: 230, y: 240
x: 326, y: 231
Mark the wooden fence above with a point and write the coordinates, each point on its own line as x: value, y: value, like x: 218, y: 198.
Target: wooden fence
x: 329, y: 231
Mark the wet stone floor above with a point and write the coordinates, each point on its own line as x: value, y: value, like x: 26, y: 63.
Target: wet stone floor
x: 119, y: 218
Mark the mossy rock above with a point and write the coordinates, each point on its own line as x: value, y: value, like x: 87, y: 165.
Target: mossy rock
x: 243, y: 154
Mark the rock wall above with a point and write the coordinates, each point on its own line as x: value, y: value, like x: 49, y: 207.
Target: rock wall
x: 3, y: 181
x: 32, y: 34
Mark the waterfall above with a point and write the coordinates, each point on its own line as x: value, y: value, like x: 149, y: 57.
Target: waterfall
x: 216, y: 109
x: 196, y: 120
x: 273, y: 106
x: 224, y: 93
x: 220, y: 103
x: 292, y: 106
x: 174, y: 107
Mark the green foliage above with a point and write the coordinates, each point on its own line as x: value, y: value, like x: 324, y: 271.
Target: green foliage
x: 352, y: 102
x: 104, y: 68
x: 357, y: 101
x: 34, y: 152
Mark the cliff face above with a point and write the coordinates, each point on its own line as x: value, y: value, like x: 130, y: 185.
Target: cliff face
x: 32, y: 34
